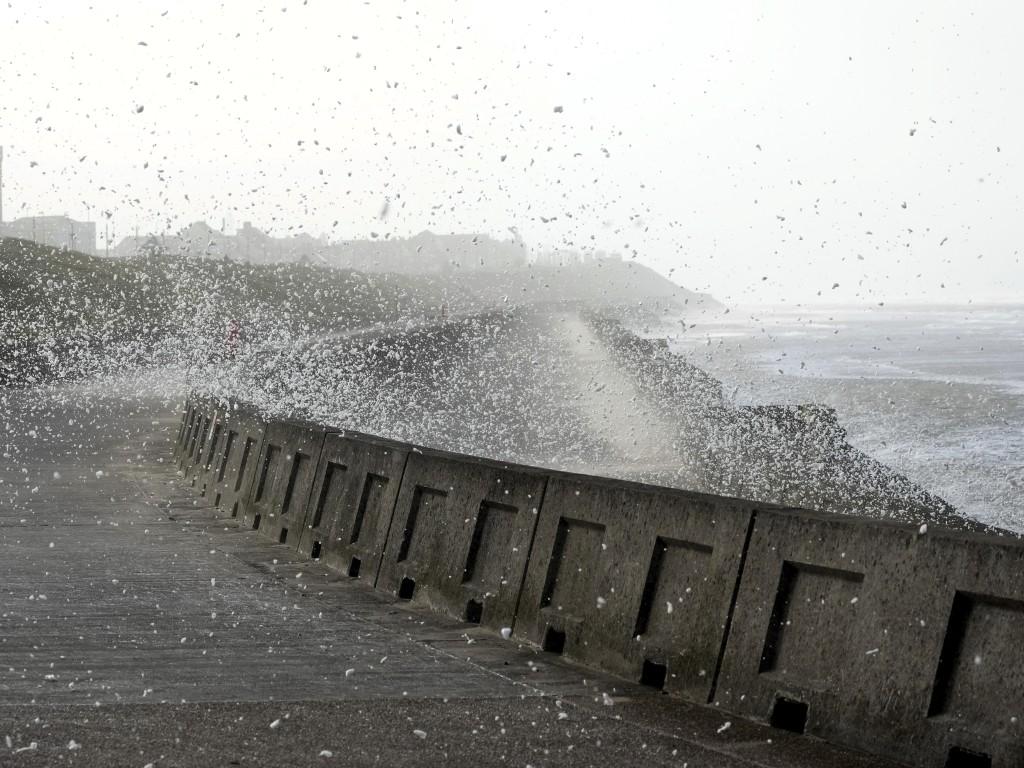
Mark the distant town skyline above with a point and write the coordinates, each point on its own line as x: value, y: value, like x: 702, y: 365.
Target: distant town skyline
x: 422, y: 253
x: 779, y: 153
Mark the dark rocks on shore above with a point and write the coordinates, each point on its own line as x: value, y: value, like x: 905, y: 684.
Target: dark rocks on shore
x: 792, y: 455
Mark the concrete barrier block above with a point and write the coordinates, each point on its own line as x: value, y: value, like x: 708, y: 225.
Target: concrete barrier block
x: 461, y: 534
x: 204, y: 410
x: 808, y: 618
x: 277, y: 501
x: 185, y: 437
x: 235, y: 458
x: 206, y: 468
x: 349, y: 511
x: 946, y: 686
x: 635, y: 579
x: 187, y: 414
x: 879, y: 637
x: 968, y: 650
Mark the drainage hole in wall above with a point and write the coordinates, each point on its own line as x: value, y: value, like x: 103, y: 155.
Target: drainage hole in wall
x: 789, y: 715
x: 474, y: 611
x: 965, y: 758
x: 554, y: 641
x: 653, y: 674
x: 406, y: 588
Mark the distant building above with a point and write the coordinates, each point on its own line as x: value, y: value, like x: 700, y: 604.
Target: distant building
x: 248, y: 244
x: 55, y: 231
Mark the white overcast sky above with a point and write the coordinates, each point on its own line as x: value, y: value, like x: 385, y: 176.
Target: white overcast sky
x: 761, y: 151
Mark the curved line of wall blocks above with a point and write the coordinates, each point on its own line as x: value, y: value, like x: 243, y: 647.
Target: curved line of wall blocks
x: 875, y: 635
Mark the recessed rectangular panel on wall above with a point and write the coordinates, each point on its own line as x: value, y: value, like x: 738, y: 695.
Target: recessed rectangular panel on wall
x: 461, y: 536
x: 677, y: 568
x: 204, y: 467
x: 882, y: 637
x: 570, y: 586
x: 200, y: 419
x: 184, y: 425
x: 185, y: 430
x: 806, y: 622
x: 202, y: 435
x: 235, y: 456
x: 974, y: 661
x: 493, y: 536
x: 983, y: 640
x: 284, y: 479
x: 375, y: 499
x: 204, y: 422
x: 329, y: 495
x: 349, y: 510
x: 814, y: 612
x: 635, y: 579
x: 424, y: 525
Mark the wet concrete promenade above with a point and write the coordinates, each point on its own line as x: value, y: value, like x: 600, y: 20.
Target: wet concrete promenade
x: 139, y: 628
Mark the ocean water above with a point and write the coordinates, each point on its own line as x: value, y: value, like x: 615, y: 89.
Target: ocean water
x: 935, y: 392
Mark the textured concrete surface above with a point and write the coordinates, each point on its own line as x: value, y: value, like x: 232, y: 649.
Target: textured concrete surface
x: 139, y: 627
x: 349, y: 514
x: 635, y: 580
x: 896, y: 638
x: 284, y: 477
x: 461, y: 533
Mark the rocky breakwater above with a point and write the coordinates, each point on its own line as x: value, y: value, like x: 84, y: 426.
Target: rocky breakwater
x: 792, y: 455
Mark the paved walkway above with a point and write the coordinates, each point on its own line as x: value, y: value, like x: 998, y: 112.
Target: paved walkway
x: 137, y: 628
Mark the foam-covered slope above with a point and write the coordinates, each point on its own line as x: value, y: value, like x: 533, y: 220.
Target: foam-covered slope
x: 558, y: 389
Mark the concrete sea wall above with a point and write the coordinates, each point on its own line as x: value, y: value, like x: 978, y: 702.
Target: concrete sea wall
x: 892, y: 638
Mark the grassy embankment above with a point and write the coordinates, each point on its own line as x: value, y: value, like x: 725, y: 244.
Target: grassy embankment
x: 65, y: 315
